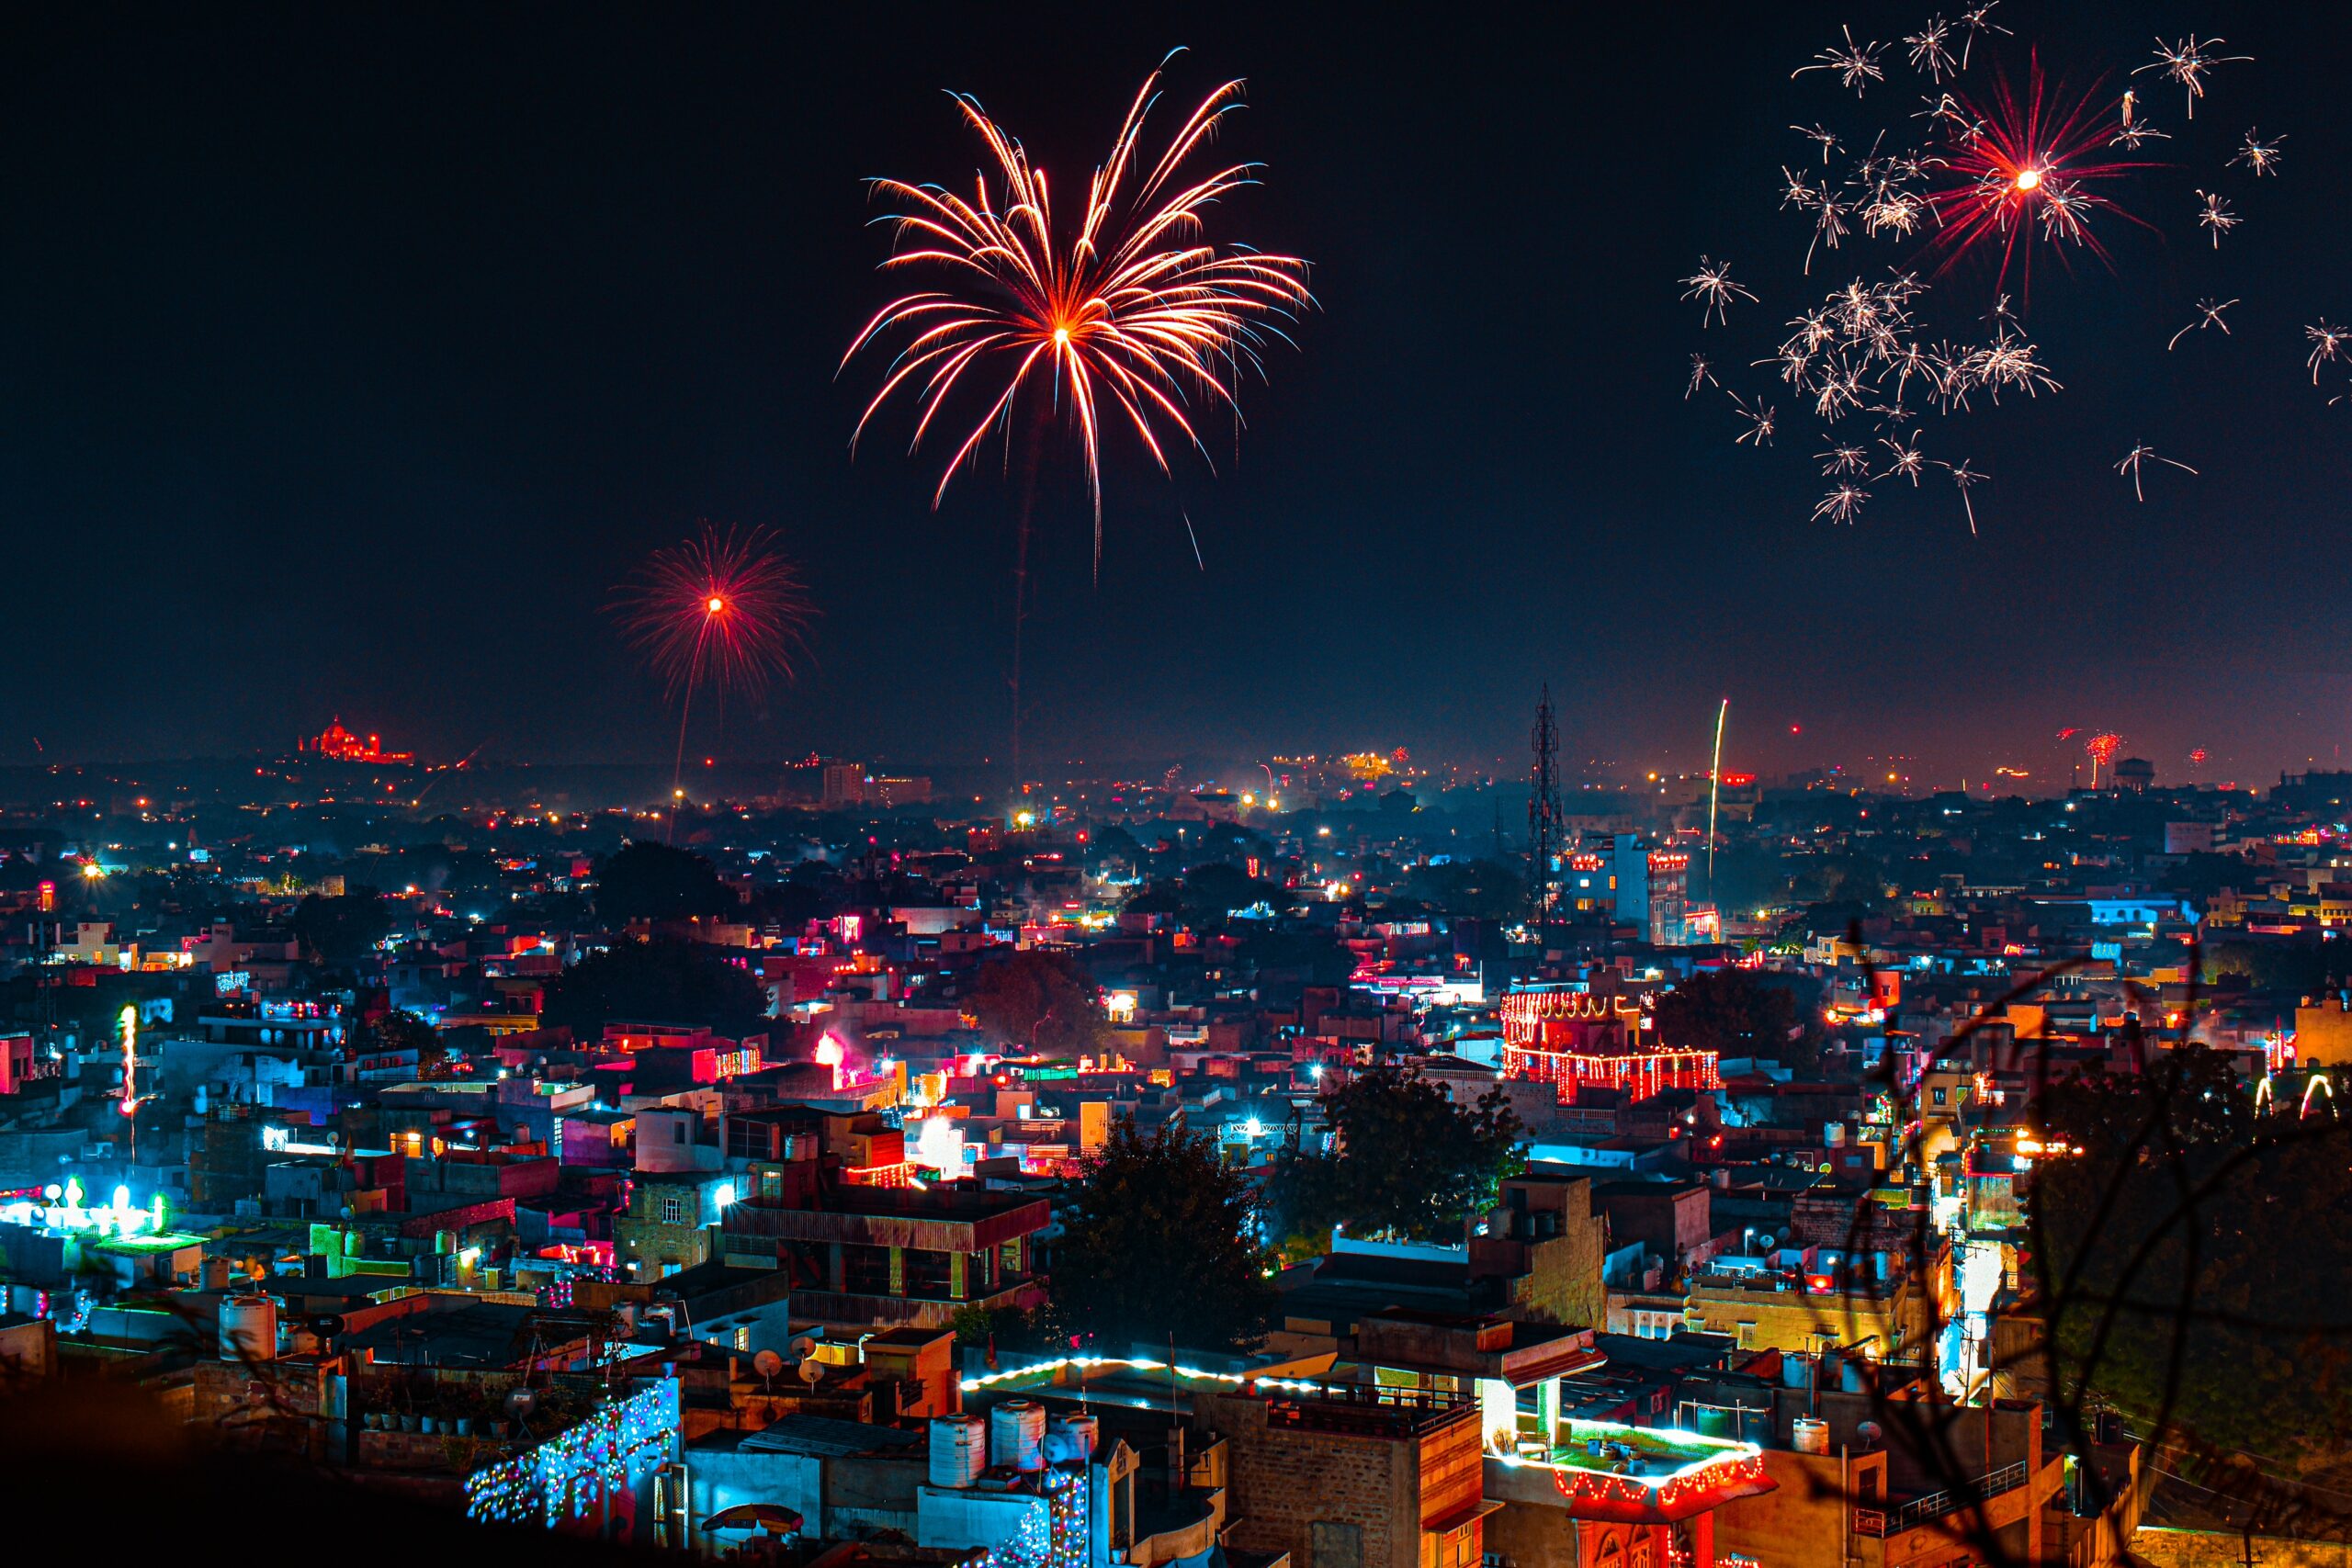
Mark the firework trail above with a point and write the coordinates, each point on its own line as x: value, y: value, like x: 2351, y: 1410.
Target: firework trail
x: 1132, y: 312
x: 1712, y: 287
x: 1962, y: 477
x: 2102, y: 750
x: 1703, y: 374
x: 2186, y: 64
x: 2208, y: 314
x: 1904, y: 459
x: 2135, y: 459
x: 1843, y: 460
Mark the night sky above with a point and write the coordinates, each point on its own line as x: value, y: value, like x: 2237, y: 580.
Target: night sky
x: 353, y: 354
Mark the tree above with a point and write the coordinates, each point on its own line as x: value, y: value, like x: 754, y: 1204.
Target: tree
x: 1481, y: 889
x: 1407, y: 1161
x: 2194, y: 1260
x: 643, y: 881
x: 1161, y: 1242
x: 402, y: 1030
x: 340, y: 931
x: 1039, y: 998
x: 1738, y: 1014
x: 665, y: 982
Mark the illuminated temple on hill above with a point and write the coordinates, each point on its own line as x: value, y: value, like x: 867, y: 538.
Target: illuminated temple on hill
x: 1570, y: 1038
x: 340, y: 744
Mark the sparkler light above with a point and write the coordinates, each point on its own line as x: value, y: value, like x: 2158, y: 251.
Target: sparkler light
x: 1131, y: 308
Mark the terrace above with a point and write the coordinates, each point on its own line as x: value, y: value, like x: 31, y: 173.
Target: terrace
x: 1600, y: 1469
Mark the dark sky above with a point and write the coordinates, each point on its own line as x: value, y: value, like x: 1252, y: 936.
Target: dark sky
x: 353, y: 353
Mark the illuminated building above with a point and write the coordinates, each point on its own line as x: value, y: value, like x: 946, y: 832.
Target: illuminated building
x: 1569, y: 1039
x: 343, y: 746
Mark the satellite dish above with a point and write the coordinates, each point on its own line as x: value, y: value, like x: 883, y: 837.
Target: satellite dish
x: 812, y: 1371
x: 804, y: 1344
x: 768, y: 1363
x: 1869, y: 1432
x: 520, y: 1401
x: 1768, y: 1241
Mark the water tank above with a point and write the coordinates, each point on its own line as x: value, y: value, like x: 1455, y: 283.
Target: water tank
x: 960, y: 1450
x: 248, y: 1328
x: 1070, y: 1439
x: 1017, y: 1434
x: 1715, y: 1421
x: 1809, y: 1434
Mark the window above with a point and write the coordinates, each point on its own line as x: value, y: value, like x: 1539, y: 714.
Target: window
x: 677, y: 1132
x: 670, y: 1208
x: 1334, y: 1544
x: 1939, y: 1097
x: 1748, y: 1336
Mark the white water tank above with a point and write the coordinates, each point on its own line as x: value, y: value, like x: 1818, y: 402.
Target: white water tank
x: 1070, y: 1439
x: 1809, y: 1434
x: 960, y: 1450
x: 248, y: 1328
x: 1017, y: 1434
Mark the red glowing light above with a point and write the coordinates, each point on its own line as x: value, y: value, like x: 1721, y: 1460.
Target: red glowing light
x: 2022, y: 167
x: 724, y: 607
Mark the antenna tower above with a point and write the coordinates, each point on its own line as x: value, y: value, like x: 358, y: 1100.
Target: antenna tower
x: 1546, y: 834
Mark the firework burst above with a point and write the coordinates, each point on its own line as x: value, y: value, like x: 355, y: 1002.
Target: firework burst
x: 1129, y: 314
x: 2136, y: 458
x: 2208, y: 314
x: 723, y: 610
x: 2187, y: 63
x: 2028, y: 161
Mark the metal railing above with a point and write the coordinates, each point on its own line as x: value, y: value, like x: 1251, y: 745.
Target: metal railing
x: 1939, y: 1504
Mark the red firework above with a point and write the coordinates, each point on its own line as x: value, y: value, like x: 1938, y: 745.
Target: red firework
x: 2023, y: 169
x: 723, y: 609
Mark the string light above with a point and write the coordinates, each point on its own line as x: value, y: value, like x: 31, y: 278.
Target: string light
x: 562, y: 1478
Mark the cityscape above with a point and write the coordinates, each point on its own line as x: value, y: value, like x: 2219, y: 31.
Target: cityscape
x: 890, y: 887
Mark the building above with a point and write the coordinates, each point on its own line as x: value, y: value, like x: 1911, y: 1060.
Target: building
x: 892, y: 1255
x: 1571, y: 1039
x: 1354, y: 1477
x: 343, y: 746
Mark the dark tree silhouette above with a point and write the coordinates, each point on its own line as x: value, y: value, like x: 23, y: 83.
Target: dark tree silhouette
x: 1407, y: 1161
x: 1162, y: 1242
x: 1039, y: 998
x: 644, y: 880
x: 662, y: 982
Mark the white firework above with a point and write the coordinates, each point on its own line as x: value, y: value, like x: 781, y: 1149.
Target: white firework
x: 1828, y: 139
x: 1856, y: 64
x: 2063, y: 208
x: 1931, y: 49
x: 2327, y: 345
x: 2260, y: 156
x: 2136, y: 458
x: 1759, y: 422
x: 2214, y: 214
x: 1903, y: 458
x: 2188, y: 62
x: 1701, y: 373
x: 1975, y: 21
x: 1712, y: 287
x: 1842, y: 504
x: 1843, y: 460
x: 2208, y: 314
x: 1963, y: 477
